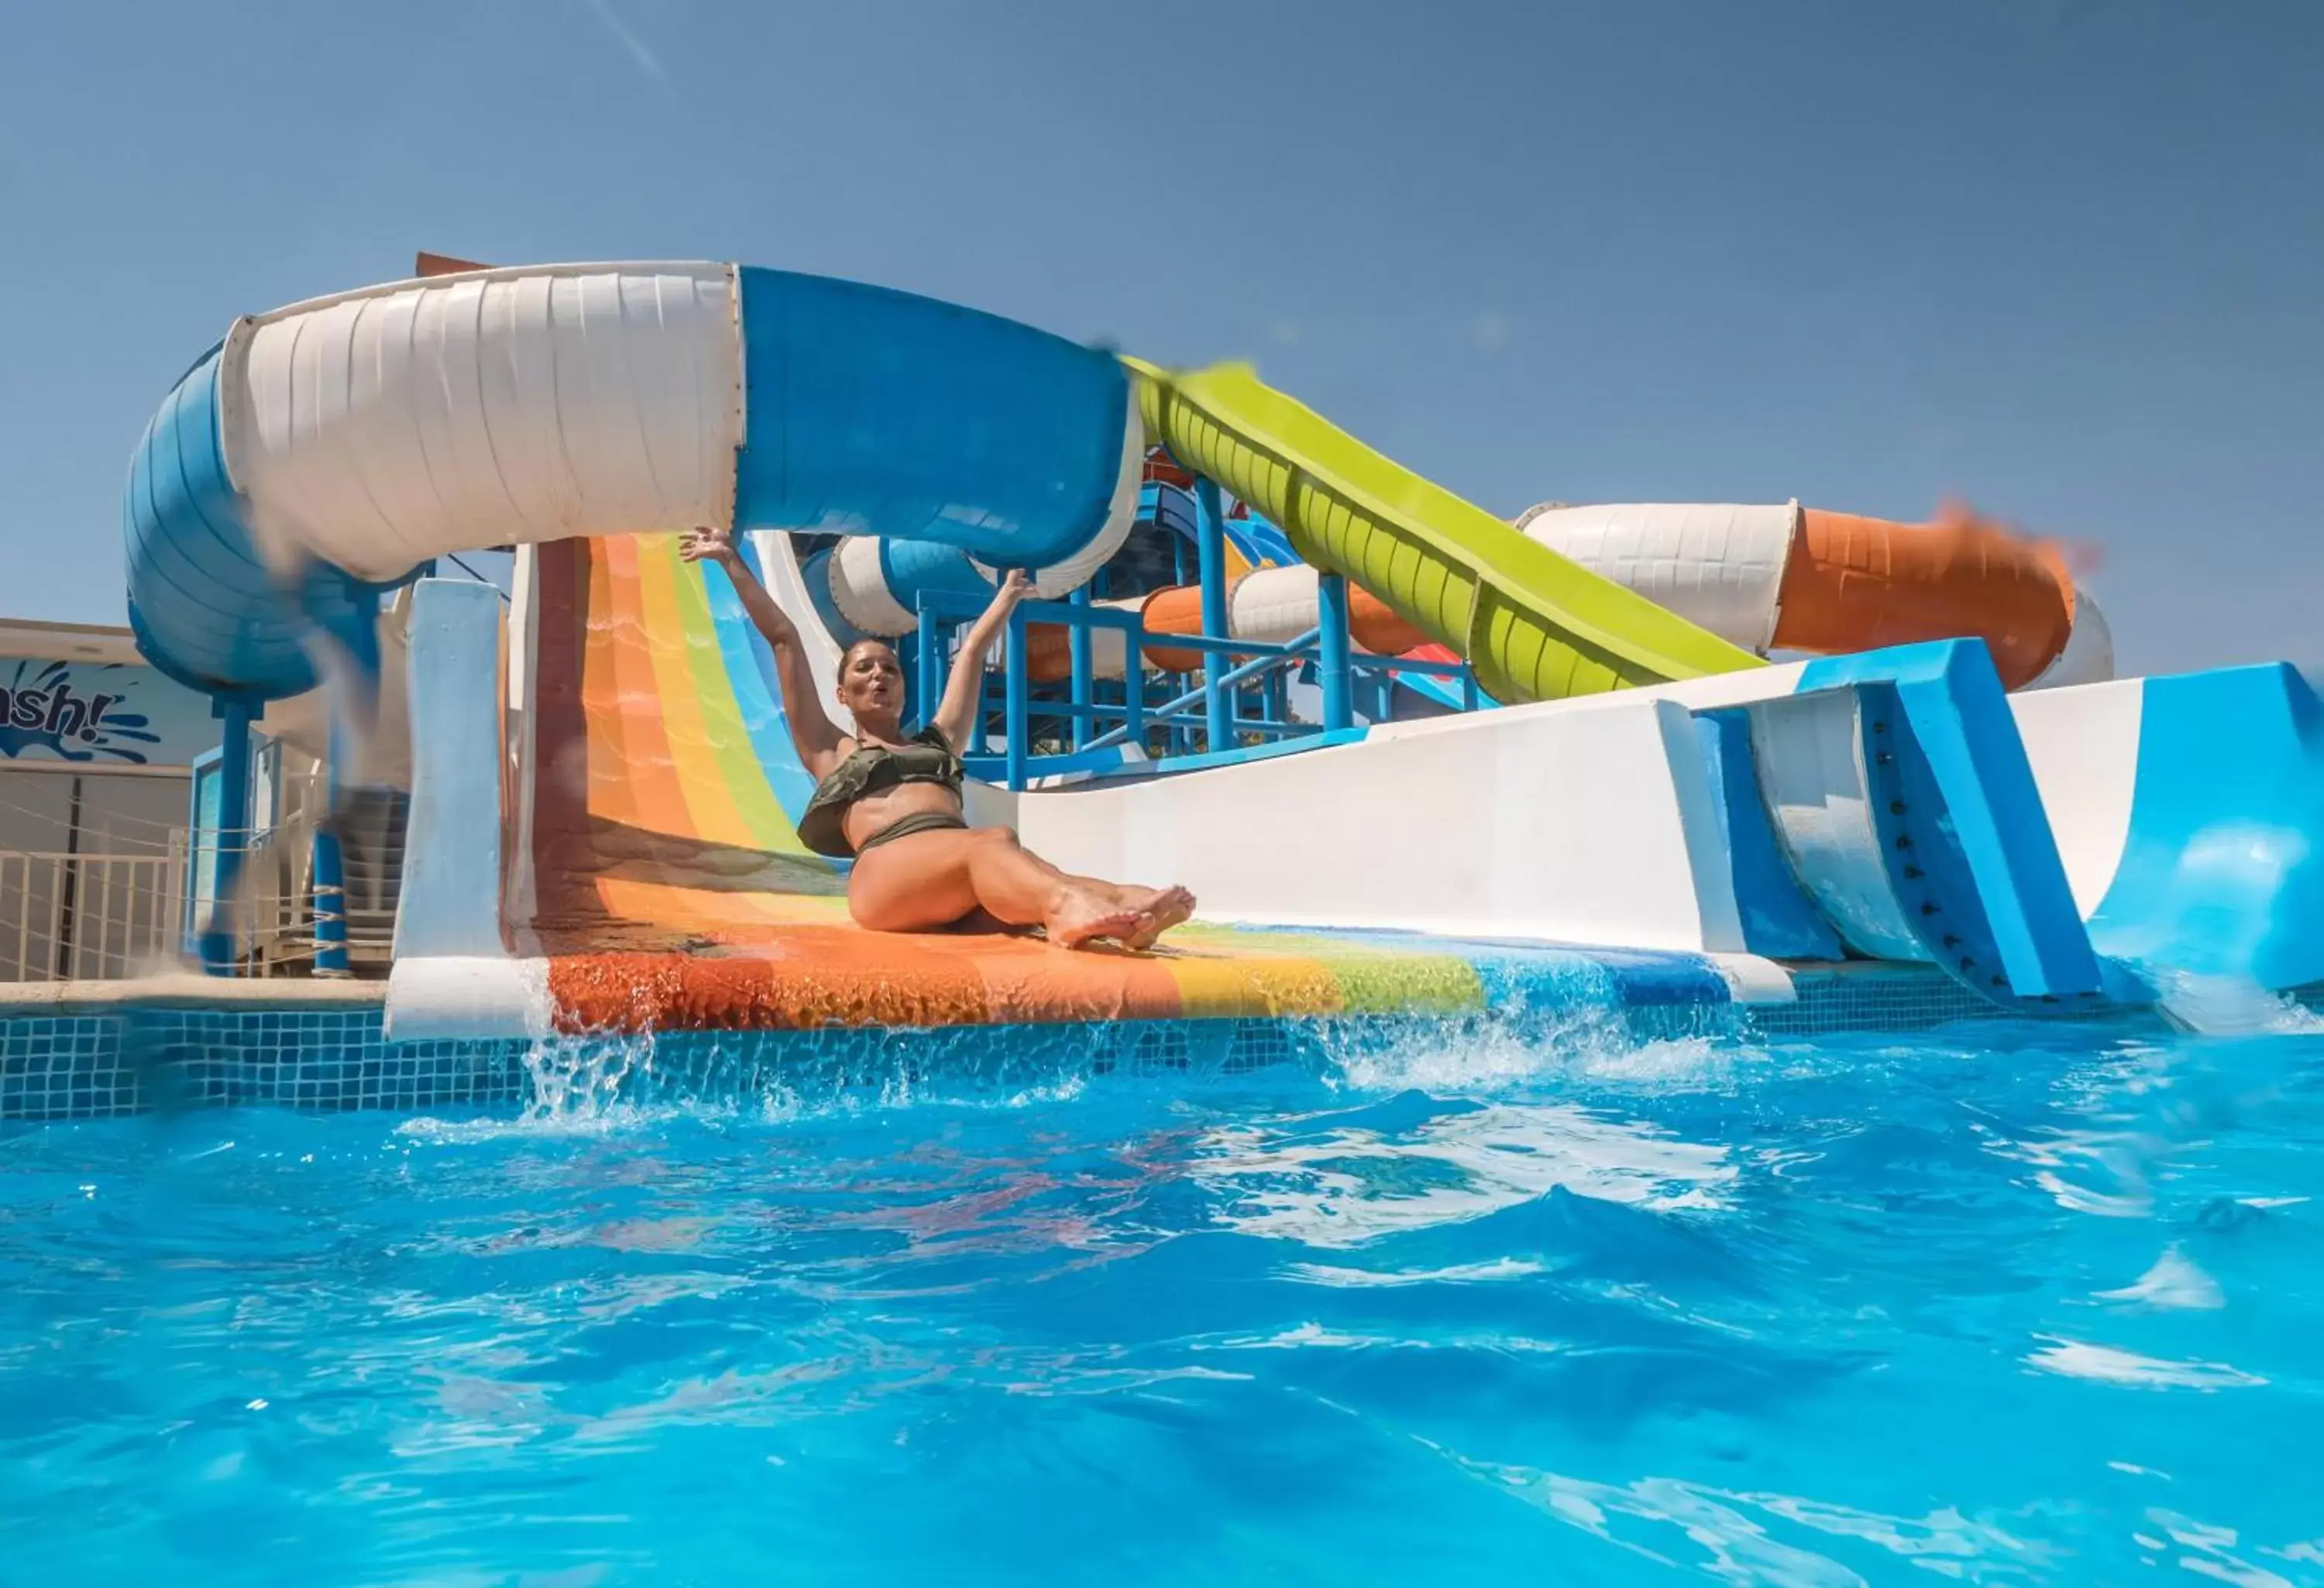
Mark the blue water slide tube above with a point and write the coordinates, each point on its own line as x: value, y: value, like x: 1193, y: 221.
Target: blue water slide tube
x: 334, y: 446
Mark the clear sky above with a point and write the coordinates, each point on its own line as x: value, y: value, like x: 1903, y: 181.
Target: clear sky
x: 2061, y: 258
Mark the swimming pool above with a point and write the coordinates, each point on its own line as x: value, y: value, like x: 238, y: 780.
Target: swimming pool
x: 2003, y: 1304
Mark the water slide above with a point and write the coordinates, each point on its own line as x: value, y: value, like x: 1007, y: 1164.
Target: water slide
x: 320, y: 453
x: 1431, y: 566
x: 1800, y: 579
x: 1766, y: 578
x: 1271, y: 606
x: 1533, y: 625
x: 334, y: 445
x: 337, y: 444
x: 654, y: 880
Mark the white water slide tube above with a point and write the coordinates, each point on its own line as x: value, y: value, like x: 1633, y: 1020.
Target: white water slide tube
x: 1794, y: 578
x: 337, y: 444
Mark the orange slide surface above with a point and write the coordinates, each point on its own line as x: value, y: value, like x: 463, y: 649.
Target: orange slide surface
x: 671, y: 891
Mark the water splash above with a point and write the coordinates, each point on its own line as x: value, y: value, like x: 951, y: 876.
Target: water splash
x: 580, y: 1084
x: 1359, y: 1177
x: 2229, y: 1006
x: 583, y: 1079
x: 2175, y: 1283
x: 579, y: 1087
x: 2083, y: 1359
x: 1581, y: 1032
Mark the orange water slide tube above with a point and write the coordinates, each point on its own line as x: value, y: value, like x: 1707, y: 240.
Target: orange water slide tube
x: 1857, y: 584
x: 1269, y: 605
x: 1792, y: 578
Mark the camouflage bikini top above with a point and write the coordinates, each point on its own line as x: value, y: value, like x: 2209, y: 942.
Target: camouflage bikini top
x: 927, y: 757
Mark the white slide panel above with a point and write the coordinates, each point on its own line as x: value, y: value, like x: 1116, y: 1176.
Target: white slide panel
x: 384, y: 427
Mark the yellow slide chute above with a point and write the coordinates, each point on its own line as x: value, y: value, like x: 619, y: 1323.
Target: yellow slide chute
x: 1533, y: 625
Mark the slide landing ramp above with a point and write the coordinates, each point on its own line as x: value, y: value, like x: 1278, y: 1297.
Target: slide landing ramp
x: 670, y: 893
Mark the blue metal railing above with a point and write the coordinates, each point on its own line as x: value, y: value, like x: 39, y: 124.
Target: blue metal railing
x: 1256, y: 673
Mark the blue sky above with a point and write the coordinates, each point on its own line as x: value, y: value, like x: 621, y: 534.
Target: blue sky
x: 2062, y: 258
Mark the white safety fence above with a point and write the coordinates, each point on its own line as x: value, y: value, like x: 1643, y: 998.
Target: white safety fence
x: 66, y: 916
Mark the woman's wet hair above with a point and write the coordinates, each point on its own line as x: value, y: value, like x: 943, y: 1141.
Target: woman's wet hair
x: 847, y: 657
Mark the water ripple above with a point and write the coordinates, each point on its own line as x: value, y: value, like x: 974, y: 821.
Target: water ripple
x: 2033, y: 1305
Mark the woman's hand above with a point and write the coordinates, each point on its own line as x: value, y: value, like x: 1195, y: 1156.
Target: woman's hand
x: 705, y: 544
x: 813, y: 733
x: 957, y: 713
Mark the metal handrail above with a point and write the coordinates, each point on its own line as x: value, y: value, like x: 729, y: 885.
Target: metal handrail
x: 1327, y: 645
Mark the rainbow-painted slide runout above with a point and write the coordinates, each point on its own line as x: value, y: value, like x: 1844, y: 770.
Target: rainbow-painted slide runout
x: 672, y: 891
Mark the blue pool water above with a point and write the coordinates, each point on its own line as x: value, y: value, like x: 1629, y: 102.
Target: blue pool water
x: 1990, y: 1304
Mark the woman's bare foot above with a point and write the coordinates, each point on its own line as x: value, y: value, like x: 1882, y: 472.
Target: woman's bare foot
x: 1167, y: 907
x: 1080, y: 917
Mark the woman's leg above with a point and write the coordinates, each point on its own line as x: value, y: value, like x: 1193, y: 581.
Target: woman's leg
x: 930, y: 880
x: 1158, y: 910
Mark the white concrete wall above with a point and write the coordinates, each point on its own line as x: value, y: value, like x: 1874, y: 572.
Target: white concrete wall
x: 2083, y: 746
x: 450, y: 901
x: 1590, y: 826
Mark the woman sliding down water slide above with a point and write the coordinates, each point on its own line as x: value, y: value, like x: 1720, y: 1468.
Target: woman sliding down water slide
x: 892, y: 799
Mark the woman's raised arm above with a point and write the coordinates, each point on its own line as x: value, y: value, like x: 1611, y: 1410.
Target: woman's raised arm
x: 814, y: 734
x: 956, y: 717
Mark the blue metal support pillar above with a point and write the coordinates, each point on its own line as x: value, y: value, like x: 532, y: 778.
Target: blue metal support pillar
x: 233, y: 833
x: 1332, y: 649
x: 327, y: 881
x: 1080, y: 641
x: 1211, y: 546
x: 927, y: 665
x: 328, y: 904
x: 1020, y: 698
x: 1133, y: 693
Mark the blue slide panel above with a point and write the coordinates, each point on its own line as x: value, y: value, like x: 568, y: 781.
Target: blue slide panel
x: 1930, y: 872
x: 1960, y: 722
x: 205, y: 610
x: 1260, y: 541
x: 912, y: 568
x: 1167, y: 507
x: 872, y: 411
x: 2223, y: 871
x: 1779, y: 920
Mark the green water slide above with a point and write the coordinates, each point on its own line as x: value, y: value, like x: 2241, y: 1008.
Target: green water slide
x: 1533, y: 625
